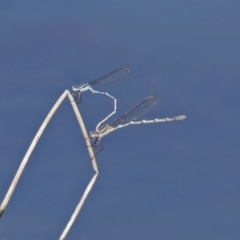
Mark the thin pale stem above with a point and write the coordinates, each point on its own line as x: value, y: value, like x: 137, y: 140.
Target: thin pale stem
x: 78, y: 208
x: 29, y: 152
x: 84, y: 131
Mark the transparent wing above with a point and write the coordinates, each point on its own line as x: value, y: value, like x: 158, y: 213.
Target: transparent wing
x: 137, y: 111
x: 112, y: 76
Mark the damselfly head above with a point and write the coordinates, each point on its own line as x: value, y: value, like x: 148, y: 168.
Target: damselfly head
x: 76, y: 88
x: 80, y: 88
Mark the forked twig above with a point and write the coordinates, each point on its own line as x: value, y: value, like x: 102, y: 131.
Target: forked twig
x: 33, y: 145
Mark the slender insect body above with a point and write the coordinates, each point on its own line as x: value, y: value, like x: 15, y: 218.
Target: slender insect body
x: 127, y: 119
x: 111, y: 77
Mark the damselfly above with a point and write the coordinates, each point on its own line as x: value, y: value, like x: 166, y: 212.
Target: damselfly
x: 128, y: 119
x: 109, y: 78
